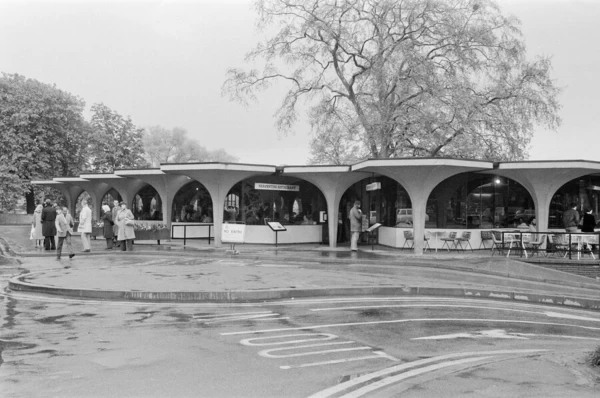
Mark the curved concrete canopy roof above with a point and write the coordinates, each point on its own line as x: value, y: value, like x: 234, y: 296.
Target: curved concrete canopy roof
x: 421, y: 162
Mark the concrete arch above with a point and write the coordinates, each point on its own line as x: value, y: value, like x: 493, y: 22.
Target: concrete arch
x: 185, y: 189
x: 448, y: 186
x: 218, y: 179
x: 147, y: 200
x: 419, y: 177
x: 543, y: 183
x: 332, y: 182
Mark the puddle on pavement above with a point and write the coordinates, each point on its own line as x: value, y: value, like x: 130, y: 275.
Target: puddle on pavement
x: 51, y: 319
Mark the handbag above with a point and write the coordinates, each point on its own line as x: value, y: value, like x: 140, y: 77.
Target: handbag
x: 31, y: 234
x: 130, y: 222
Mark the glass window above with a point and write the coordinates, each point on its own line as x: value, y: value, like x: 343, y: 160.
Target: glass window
x: 110, y: 197
x: 192, y: 203
x: 147, y: 204
x: 288, y: 200
x: 583, y: 191
x: 473, y: 201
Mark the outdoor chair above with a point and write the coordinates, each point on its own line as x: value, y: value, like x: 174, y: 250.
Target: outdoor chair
x: 536, y: 244
x: 497, y: 244
x: 447, y: 239
x: 408, y: 236
x: 427, y: 238
x: 464, y: 238
x: 486, y: 236
x: 560, y: 247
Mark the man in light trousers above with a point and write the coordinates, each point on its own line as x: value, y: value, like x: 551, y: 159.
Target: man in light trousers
x: 355, y: 217
x: 85, y: 226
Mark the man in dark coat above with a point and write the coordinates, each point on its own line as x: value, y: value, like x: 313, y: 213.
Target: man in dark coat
x: 48, y: 225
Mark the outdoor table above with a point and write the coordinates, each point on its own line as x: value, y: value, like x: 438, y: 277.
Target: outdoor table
x: 584, y: 239
x: 435, y: 234
x: 518, y: 239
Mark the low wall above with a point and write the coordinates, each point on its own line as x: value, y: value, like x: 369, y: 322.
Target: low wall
x: 8, y: 218
x: 260, y: 234
x: 394, y: 237
x: 294, y: 234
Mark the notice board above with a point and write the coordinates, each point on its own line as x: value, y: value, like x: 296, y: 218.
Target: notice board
x: 233, y: 233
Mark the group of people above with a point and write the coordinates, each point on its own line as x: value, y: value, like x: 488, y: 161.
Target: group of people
x: 118, y: 226
x: 51, y: 221
x: 572, y: 221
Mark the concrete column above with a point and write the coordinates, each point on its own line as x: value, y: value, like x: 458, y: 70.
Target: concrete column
x: 333, y: 198
x: 419, y: 207
x: 96, y: 198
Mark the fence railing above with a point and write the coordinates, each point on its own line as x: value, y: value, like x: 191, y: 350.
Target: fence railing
x: 549, y: 242
x: 185, y: 235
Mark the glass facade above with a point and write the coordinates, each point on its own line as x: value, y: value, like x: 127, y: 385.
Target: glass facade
x: 110, y: 197
x: 390, y: 205
x: 192, y: 203
x: 147, y: 204
x: 583, y: 191
x: 287, y: 200
x: 472, y: 201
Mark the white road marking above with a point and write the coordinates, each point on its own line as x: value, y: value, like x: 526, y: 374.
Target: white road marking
x: 333, y: 325
x: 267, y: 353
x: 569, y: 316
x: 492, y: 334
x: 411, y: 373
x: 237, y: 318
x: 398, y: 368
x: 229, y: 314
x: 378, y: 355
x: 315, y: 337
x: 428, y: 305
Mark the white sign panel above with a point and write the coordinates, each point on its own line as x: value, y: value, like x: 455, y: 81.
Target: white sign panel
x: 233, y: 233
x: 276, y: 187
x: 373, y: 186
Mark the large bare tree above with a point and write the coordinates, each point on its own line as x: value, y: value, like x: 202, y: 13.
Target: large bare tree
x: 393, y: 78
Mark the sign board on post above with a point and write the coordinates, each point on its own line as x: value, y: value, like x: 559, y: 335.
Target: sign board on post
x: 233, y: 233
x: 275, y: 226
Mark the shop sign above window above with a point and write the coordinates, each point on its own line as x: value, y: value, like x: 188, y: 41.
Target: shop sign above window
x: 276, y: 187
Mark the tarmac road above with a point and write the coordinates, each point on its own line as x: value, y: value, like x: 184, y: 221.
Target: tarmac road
x: 421, y: 346
x: 323, y: 346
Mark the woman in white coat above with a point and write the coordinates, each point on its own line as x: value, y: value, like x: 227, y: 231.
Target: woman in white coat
x: 85, y: 226
x: 36, y: 233
x: 126, y: 231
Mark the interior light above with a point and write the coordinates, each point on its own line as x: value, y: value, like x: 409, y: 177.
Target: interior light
x: 497, y: 181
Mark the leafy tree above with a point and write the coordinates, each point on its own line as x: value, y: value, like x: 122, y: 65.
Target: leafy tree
x: 43, y: 134
x: 116, y: 141
x: 174, y: 146
x: 410, y: 77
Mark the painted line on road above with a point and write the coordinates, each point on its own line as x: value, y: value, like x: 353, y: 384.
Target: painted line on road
x: 378, y: 355
x: 267, y: 353
x: 411, y: 373
x: 237, y: 318
x: 229, y: 314
x: 315, y: 337
x: 334, y: 325
x: 361, y: 380
x: 549, y: 314
x: 428, y: 305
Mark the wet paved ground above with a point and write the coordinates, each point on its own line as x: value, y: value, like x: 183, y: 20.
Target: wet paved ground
x: 68, y: 347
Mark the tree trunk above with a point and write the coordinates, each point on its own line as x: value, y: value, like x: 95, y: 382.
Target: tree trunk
x: 30, y: 198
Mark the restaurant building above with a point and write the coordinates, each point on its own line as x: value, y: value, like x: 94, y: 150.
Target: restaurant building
x: 427, y: 196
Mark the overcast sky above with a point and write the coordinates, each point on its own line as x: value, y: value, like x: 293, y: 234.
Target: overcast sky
x: 163, y: 62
